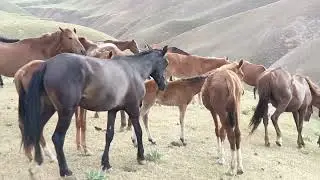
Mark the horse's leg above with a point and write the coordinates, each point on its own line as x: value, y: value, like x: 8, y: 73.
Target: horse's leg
x: 47, y: 151
x: 266, y: 134
x: 302, y: 112
x: 275, y: 116
x: 123, y: 121
x: 1, y: 81
x: 83, y: 125
x: 78, y: 127
x: 218, y: 132
x: 144, y: 113
x: 237, y: 134
x: 129, y: 123
x: 254, y: 92
x: 109, y: 136
x: 134, y: 114
x: 182, y: 109
x: 58, y: 137
x: 96, y: 115
x: 199, y: 98
x: 232, y: 141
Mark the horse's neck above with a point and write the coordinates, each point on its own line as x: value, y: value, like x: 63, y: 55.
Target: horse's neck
x: 49, y: 45
x: 142, y: 66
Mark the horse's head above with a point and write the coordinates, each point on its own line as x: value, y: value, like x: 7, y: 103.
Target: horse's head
x: 158, y: 72
x: 70, y: 43
x: 235, y: 67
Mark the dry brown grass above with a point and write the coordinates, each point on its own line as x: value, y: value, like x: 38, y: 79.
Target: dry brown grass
x: 194, y: 161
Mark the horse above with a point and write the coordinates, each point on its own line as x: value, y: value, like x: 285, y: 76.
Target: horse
x: 182, y: 66
x: 171, y: 49
x: 221, y: 94
x: 287, y: 93
x: 123, y: 45
x: 93, y: 84
x: 251, y: 74
x: 6, y: 40
x: 102, y: 51
x: 178, y: 93
x: 14, y: 55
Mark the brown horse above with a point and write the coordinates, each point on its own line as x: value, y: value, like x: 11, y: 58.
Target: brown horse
x: 182, y: 66
x: 22, y: 79
x: 171, y: 49
x: 251, y: 74
x: 178, y: 93
x: 15, y: 55
x: 123, y: 45
x: 287, y: 93
x: 221, y: 94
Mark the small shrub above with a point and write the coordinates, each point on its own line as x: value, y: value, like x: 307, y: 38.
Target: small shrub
x: 154, y: 156
x: 96, y: 175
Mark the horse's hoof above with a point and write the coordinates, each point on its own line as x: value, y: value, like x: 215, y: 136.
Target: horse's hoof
x: 239, y: 171
x: 230, y: 172
x: 279, y: 143
x: 87, y: 152
x: 96, y: 115
x: 267, y: 144
x: 152, y: 141
x: 183, y: 142
x: 142, y: 161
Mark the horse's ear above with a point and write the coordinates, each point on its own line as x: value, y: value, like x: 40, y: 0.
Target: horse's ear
x: 61, y: 29
x: 240, y: 64
x: 74, y: 30
x: 165, y: 49
x: 149, y: 47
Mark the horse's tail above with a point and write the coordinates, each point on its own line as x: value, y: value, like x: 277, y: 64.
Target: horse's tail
x: 261, y: 108
x: 29, y: 112
x: 313, y: 87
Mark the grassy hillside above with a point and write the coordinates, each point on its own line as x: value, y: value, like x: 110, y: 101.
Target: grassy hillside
x: 20, y: 26
x: 262, y: 31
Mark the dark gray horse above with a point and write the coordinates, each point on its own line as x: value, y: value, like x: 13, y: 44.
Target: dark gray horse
x: 6, y: 40
x: 69, y: 80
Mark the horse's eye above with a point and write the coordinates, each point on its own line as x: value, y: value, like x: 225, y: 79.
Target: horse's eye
x: 70, y: 37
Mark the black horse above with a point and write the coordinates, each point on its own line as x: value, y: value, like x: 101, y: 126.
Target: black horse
x: 69, y: 80
x: 6, y: 40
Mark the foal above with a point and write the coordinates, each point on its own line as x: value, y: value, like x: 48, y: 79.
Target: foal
x: 221, y: 94
x: 178, y: 93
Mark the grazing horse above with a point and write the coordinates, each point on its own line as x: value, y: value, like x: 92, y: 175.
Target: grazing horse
x: 14, y: 55
x: 123, y: 45
x: 221, y: 94
x: 6, y: 40
x: 251, y: 74
x: 178, y: 93
x: 93, y: 84
x: 287, y: 93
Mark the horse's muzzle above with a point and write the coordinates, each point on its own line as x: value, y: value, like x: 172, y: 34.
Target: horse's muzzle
x: 84, y: 52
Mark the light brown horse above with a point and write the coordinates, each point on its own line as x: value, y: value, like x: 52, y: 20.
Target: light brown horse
x: 251, y: 74
x: 287, y: 93
x: 102, y: 51
x: 123, y: 45
x: 22, y: 79
x: 14, y: 55
x: 221, y: 94
x: 184, y: 66
x: 178, y: 93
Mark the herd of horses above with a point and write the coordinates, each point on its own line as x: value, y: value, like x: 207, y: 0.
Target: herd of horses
x: 64, y: 73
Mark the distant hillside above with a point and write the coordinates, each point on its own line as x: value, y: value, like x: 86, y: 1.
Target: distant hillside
x: 261, y: 31
x: 20, y: 26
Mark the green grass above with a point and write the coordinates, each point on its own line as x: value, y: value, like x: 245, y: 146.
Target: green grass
x: 23, y: 26
x: 96, y: 175
x: 154, y: 156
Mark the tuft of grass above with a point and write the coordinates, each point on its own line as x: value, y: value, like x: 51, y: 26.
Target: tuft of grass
x: 154, y: 156
x: 245, y: 111
x: 96, y: 175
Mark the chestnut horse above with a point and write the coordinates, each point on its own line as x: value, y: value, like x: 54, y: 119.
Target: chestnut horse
x: 178, y: 93
x: 221, y: 94
x: 287, y: 93
x: 6, y: 40
x: 251, y: 74
x: 123, y: 45
x: 14, y: 55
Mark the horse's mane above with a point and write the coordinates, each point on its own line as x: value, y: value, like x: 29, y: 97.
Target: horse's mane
x: 192, y: 79
x: 7, y: 40
x: 313, y: 86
